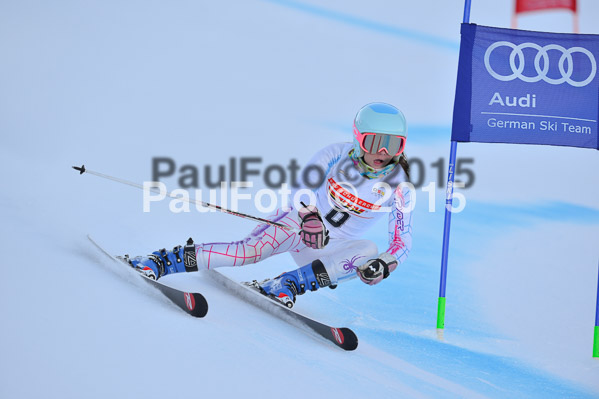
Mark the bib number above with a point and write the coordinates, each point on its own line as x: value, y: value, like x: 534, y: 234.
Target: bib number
x: 336, y: 218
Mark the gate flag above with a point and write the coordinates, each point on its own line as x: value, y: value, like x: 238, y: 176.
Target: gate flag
x: 526, y: 87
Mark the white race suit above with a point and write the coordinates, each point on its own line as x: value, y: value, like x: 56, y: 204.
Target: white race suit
x: 349, y: 203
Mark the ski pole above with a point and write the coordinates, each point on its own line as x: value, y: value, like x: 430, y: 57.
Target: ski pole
x: 82, y: 169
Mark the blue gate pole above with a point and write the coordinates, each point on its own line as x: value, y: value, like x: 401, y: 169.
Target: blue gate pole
x: 448, y: 207
x: 467, y: 5
x: 446, y: 228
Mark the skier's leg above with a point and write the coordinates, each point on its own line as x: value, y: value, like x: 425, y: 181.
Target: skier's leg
x: 264, y: 241
x: 335, y: 264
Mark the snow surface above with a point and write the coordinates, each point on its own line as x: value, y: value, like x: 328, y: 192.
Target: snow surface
x: 113, y: 84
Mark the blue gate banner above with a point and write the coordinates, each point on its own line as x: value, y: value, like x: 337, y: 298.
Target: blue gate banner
x: 527, y: 87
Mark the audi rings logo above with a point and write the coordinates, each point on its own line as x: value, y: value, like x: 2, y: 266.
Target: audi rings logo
x: 565, y: 63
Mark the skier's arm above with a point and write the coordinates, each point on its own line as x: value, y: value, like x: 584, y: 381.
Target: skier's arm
x: 400, y: 225
x: 400, y: 241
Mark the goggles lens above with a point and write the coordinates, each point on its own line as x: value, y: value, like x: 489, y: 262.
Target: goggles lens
x: 375, y: 143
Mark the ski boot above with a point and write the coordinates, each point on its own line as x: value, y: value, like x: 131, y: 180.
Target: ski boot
x: 287, y: 286
x: 163, y: 262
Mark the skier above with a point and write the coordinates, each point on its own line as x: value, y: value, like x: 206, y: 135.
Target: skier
x: 328, y: 249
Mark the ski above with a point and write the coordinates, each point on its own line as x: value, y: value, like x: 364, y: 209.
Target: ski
x: 192, y: 303
x: 342, y: 337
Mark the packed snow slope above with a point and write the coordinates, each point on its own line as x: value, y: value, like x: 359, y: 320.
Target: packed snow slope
x: 117, y: 85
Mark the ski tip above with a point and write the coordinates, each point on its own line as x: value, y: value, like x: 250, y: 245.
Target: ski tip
x: 345, y: 338
x: 81, y: 169
x: 197, y: 305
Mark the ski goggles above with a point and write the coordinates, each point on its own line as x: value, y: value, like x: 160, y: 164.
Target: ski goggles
x: 376, y: 142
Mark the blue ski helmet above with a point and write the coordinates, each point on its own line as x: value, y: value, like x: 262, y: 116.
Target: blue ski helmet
x: 380, y: 120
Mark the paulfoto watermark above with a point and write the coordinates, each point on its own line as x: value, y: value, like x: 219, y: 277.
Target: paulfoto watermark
x: 345, y: 198
x: 273, y: 176
x: 290, y: 185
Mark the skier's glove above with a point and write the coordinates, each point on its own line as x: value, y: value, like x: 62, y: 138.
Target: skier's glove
x: 313, y: 232
x: 375, y: 270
